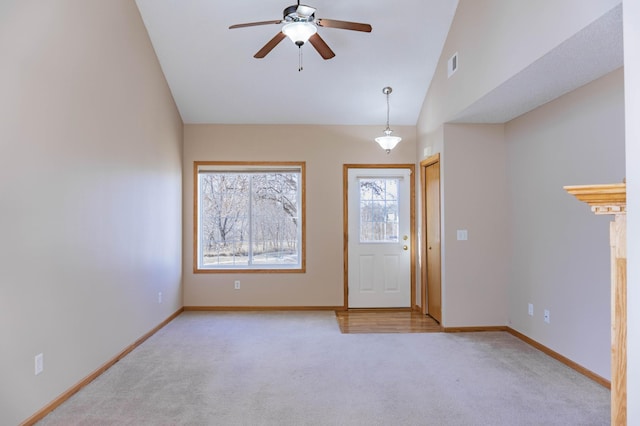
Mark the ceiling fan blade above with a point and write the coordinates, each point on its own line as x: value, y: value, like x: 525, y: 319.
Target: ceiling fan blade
x: 253, y: 24
x: 343, y: 25
x: 323, y: 49
x: 270, y: 45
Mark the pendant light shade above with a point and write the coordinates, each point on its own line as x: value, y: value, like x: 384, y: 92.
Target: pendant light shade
x: 299, y: 32
x: 388, y: 142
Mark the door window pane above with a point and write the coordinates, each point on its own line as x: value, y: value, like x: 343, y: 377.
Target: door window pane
x: 379, y: 210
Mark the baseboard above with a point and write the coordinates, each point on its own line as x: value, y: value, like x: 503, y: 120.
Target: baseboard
x: 566, y: 361
x: 553, y: 354
x: 40, y: 414
x: 376, y: 310
x: 264, y: 308
x: 474, y: 329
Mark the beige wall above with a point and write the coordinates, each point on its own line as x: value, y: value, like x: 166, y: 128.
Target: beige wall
x: 560, y: 250
x: 578, y: 138
x: 474, y: 199
x: 324, y: 149
x: 495, y: 40
x: 90, y: 194
x: 632, y: 109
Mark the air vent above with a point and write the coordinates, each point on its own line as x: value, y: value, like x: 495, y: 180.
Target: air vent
x: 452, y: 65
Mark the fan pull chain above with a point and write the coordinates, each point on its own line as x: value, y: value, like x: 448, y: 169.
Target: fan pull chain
x: 300, y: 59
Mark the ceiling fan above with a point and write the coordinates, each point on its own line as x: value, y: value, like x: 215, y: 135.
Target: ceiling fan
x: 301, y: 26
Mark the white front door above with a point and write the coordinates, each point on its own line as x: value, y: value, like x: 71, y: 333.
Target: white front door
x: 379, y: 248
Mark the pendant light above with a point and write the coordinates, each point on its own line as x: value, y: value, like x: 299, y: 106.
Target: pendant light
x: 388, y: 142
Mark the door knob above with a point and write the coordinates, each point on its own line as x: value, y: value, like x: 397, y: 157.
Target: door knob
x: 405, y: 247
x: 406, y: 237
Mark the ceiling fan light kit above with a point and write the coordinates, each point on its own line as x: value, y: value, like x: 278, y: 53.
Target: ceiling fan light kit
x: 301, y: 25
x: 388, y: 142
x: 299, y: 32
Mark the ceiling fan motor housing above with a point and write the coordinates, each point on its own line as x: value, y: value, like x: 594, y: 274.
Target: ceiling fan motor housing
x: 299, y: 13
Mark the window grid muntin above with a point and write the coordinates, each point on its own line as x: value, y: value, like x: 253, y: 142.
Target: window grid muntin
x: 379, y: 209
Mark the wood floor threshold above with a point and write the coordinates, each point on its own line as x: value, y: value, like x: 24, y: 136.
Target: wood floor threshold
x: 393, y: 320
x: 40, y: 414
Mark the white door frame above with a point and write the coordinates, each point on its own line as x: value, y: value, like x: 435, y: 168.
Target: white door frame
x: 412, y: 226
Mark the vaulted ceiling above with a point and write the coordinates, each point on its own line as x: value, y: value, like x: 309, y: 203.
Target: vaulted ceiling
x: 215, y: 79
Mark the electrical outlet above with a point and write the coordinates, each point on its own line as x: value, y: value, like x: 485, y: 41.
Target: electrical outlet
x: 160, y: 297
x: 39, y: 364
x: 236, y: 285
x: 530, y: 309
x: 547, y: 316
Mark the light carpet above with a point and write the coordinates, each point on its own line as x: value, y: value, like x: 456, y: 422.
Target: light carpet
x: 296, y: 368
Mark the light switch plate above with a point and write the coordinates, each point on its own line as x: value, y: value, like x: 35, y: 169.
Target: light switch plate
x: 39, y: 364
x: 463, y: 235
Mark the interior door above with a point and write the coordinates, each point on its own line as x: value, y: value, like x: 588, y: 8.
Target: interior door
x: 432, y: 214
x: 379, y: 238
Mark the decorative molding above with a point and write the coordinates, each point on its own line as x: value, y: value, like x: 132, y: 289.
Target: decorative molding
x: 603, y: 199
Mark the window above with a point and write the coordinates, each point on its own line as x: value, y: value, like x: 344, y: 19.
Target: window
x: 378, y: 210
x: 249, y: 217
